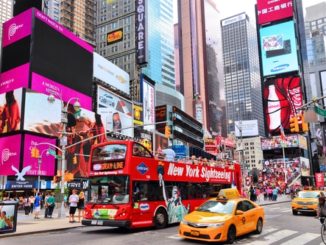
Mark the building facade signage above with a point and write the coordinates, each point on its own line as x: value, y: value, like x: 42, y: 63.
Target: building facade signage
x: 141, y: 35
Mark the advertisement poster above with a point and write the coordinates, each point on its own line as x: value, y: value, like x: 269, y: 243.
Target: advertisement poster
x: 10, y: 111
x: 8, y: 217
x: 269, y: 11
x: 279, y: 49
x: 10, y: 155
x: 305, y: 166
x: 14, y: 78
x: 138, y: 114
x: 319, y: 177
x: 110, y: 74
x: 282, y: 97
x: 276, y: 173
x: 115, y: 111
x: 276, y: 142
x: 246, y: 128
x: 148, y: 104
x: 48, y: 161
x: 144, y: 137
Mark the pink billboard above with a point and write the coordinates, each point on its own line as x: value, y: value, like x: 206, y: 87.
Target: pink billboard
x: 14, y: 78
x: 48, y: 86
x: 47, y: 166
x: 272, y: 10
x: 10, y: 155
x: 17, y: 28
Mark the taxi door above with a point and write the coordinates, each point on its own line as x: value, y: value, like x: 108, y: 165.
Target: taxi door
x: 251, y: 215
x: 241, y: 219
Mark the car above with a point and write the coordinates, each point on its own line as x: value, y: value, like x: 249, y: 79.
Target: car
x: 223, y: 218
x: 305, y: 202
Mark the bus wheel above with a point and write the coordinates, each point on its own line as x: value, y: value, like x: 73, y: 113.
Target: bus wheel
x: 160, y: 219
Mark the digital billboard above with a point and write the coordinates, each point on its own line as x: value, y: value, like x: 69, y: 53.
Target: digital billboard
x: 14, y: 78
x: 138, y: 114
x: 47, y: 166
x: 305, y: 166
x: 276, y: 142
x: 268, y: 11
x: 246, y: 128
x: 282, y: 97
x: 110, y: 74
x: 148, y: 97
x: 10, y: 155
x: 278, y: 49
x: 116, y: 112
x: 10, y: 111
x: 8, y: 211
x: 114, y: 36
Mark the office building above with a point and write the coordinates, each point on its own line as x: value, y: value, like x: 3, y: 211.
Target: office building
x: 252, y: 152
x: 241, y: 72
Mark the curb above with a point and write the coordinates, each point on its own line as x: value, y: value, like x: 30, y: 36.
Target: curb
x: 36, y: 232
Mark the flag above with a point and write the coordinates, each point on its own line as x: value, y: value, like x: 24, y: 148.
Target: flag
x: 283, y: 137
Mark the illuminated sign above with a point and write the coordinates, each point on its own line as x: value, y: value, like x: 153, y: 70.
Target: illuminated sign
x: 108, y: 166
x: 114, y: 36
x: 233, y: 19
x: 138, y: 114
x: 271, y: 10
x: 141, y: 56
x: 279, y: 49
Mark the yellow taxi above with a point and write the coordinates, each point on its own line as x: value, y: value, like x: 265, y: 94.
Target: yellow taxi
x: 223, y: 218
x: 306, y: 201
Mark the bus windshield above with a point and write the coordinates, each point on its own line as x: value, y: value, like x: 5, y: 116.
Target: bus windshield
x: 110, y: 190
x: 109, y: 152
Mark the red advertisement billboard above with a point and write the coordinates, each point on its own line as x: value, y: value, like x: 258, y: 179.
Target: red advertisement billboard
x: 272, y: 10
x: 319, y: 177
x: 282, y: 97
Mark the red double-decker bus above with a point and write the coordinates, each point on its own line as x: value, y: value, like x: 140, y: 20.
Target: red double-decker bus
x: 132, y: 189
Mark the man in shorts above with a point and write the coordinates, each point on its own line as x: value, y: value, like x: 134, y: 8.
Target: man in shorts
x: 73, y: 203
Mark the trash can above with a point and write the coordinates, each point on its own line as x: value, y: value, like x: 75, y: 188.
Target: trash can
x: 8, y: 216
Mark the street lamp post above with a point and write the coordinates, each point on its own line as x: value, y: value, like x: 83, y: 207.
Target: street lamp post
x: 39, y: 162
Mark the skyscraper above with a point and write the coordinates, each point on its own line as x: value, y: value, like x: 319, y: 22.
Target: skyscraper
x: 6, y: 7
x: 119, y: 14
x: 241, y: 72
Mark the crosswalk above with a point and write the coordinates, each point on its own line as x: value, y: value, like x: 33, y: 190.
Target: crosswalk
x: 277, y: 236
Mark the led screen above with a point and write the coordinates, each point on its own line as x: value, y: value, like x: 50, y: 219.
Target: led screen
x: 10, y: 155
x: 15, y: 78
x: 148, y: 96
x: 278, y: 49
x: 115, y: 111
x: 10, y: 111
x: 282, y: 97
x: 47, y: 165
x: 269, y: 11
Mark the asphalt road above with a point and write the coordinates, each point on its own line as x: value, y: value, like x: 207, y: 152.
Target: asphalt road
x: 281, y: 227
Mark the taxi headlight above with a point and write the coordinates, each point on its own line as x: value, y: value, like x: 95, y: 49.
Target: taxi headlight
x: 184, y: 222
x: 215, y: 225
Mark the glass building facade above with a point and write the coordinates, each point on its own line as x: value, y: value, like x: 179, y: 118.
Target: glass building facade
x: 241, y: 72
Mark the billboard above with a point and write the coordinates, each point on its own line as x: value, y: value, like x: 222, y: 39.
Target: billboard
x: 10, y: 111
x: 276, y: 142
x: 305, y: 166
x: 8, y: 216
x: 17, y: 77
x: 268, y: 11
x: 114, y: 36
x: 278, y: 49
x: 110, y: 74
x: 282, y: 97
x: 148, y: 97
x: 246, y: 128
x: 141, y: 32
x: 10, y: 154
x: 138, y: 114
x: 47, y: 166
x: 116, y: 112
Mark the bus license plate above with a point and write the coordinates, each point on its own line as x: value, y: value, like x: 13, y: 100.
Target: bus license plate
x: 100, y: 222
x: 194, y: 233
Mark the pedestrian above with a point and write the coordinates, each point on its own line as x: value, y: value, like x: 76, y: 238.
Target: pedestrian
x: 37, y: 205
x: 321, y: 211
x: 81, y: 205
x: 50, y: 202
x: 27, y: 205
x: 73, y: 202
x: 46, y: 212
x: 275, y: 193
x: 31, y: 201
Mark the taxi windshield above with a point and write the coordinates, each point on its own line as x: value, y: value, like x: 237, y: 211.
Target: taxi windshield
x: 308, y: 194
x: 220, y: 207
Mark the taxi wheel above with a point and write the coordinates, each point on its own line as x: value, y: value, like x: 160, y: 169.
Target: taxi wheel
x: 231, y: 235
x: 160, y: 219
x: 294, y: 212
x: 259, y: 226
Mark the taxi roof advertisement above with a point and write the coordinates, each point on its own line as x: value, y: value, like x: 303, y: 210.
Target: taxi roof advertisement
x: 268, y: 11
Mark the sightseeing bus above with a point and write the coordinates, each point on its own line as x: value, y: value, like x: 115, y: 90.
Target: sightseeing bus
x: 130, y: 188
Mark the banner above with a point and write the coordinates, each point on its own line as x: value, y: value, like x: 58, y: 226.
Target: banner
x: 319, y: 178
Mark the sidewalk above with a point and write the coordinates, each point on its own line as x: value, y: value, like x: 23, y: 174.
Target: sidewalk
x: 28, y: 225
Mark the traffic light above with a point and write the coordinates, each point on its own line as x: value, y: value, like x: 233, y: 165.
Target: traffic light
x: 35, y: 153
x: 304, y: 125
x: 294, y: 125
x: 68, y: 177
x: 167, y: 131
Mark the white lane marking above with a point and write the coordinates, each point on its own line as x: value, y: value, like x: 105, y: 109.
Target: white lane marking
x: 302, y: 239
x: 286, y: 211
x: 274, y: 237
x: 176, y: 237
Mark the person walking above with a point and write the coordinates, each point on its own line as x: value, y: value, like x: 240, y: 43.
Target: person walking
x: 37, y: 205
x: 81, y: 205
x: 73, y: 202
x: 46, y: 212
x: 31, y: 201
x: 27, y: 205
